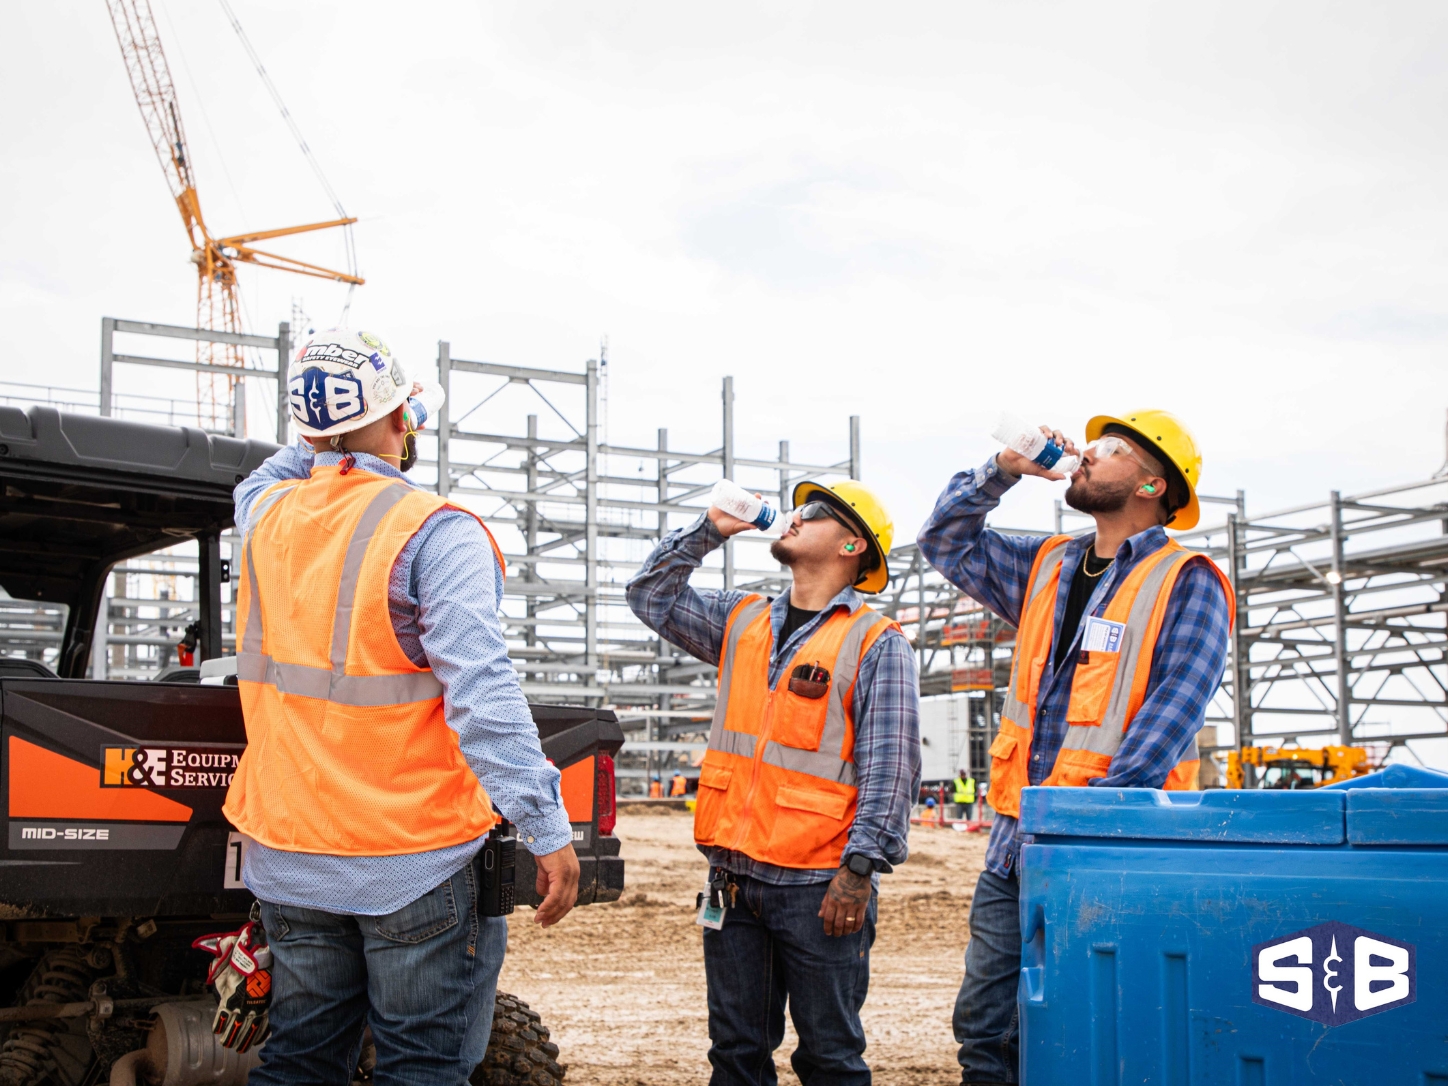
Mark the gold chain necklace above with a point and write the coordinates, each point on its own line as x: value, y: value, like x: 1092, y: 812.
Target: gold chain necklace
x: 1087, y: 572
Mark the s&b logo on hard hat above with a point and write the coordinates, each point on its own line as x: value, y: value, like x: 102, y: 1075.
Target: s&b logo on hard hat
x: 321, y: 400
x: 1334, y: 973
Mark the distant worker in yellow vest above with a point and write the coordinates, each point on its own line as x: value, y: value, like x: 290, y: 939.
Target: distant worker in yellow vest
x: 806, y: 789
x: 679, y: 786
x: 963, y: 789
x: 1121, y: 640
x: 384, y: 721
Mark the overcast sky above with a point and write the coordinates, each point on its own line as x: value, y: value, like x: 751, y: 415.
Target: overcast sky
x: 918, y: 213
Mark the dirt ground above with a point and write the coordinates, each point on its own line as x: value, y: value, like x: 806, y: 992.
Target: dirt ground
x: 622, y: 985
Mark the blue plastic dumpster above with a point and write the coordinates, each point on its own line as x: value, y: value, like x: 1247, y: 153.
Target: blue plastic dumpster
x: 1238, y: 938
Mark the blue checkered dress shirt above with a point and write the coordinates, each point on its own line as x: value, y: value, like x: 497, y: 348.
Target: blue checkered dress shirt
x: 1185, y: 668
x: 886, y: 706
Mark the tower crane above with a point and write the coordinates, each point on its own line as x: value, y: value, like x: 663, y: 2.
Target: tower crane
x: 216, y: 259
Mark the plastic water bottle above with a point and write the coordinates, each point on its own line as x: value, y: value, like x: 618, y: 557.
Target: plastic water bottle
x: 738, y: 502
x: 1019, y: 436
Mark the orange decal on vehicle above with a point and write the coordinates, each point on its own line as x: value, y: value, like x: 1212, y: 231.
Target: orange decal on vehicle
x: 44, y: 784
x: 577, y: 789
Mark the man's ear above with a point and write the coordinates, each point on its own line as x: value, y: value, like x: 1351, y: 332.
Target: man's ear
x: 1154, y: 488
x: 399, y: 419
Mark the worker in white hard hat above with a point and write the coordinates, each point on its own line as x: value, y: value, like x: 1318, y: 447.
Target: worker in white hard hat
x: 1121, y: 639
x: 806, y: 788
x: 384, y: 723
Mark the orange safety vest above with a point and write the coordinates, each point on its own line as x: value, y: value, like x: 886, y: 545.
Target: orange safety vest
x: 348, y: 751
x: 778, y: 779
x: 1107, y: 689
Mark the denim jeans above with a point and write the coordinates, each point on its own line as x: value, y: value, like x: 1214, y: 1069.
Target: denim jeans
x: 773, y: 947
x: 987, y: 1017
x: 424, y: 978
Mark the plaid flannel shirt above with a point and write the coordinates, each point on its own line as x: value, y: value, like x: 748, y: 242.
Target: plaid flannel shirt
x: 1186, y: 666
x: 886, y: 706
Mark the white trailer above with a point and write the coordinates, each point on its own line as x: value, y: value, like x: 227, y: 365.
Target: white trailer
x: 944, y: 733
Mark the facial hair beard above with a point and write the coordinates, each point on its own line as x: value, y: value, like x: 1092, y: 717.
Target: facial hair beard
x: 1087, y: 497
x: 409, y: 452
x: 780, y: 553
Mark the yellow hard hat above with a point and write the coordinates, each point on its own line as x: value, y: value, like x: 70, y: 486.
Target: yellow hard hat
x: 874, y: 518
x: 1169, y: 436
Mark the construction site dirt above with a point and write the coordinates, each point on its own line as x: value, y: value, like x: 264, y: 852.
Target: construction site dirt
x: 622, y: 985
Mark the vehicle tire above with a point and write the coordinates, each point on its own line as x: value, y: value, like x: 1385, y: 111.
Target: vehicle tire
x: 519, y: 1051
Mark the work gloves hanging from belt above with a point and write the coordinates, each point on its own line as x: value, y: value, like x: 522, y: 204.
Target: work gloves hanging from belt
x: 241, y: 975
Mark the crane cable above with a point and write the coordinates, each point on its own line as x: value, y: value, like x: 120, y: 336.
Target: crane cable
x: 306, y: 151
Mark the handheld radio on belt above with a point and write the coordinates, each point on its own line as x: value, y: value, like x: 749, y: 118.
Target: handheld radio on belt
x: 497, y: 871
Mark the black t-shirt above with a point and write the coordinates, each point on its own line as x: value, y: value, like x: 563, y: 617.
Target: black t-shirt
x: 1082, y: 585
x: 796, y: 618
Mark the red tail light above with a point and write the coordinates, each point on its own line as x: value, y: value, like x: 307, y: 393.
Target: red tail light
x: 604, y: 795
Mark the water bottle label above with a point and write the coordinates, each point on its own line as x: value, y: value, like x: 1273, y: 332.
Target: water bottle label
x: 1048, y: 456
x: 765, y: 518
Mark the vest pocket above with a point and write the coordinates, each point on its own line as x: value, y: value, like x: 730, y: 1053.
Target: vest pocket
x: 1091, y: 688
x: 823, y: 803
x: 806, y: 824
x: 1008, y: 769
x: 713, y: 785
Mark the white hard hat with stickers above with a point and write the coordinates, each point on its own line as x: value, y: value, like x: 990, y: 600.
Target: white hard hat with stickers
x: 341, y: 380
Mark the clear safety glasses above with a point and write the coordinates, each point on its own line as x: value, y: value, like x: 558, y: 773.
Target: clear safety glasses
x: 1106, y: 447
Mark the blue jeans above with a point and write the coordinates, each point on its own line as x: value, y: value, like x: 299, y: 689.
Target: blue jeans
x: 773, y: 946
x: 987, y: 1017
x: 424, y: 978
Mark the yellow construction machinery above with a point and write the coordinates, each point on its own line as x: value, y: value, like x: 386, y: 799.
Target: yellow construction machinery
x: 1294, y: 767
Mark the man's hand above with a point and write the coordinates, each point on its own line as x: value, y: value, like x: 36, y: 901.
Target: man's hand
x: 843, y: 910
x: 729, y: 525
x: 557, y: 885
x: 1013, y: 462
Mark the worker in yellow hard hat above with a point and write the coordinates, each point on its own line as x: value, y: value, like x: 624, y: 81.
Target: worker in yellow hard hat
x: 806, y: 788
x: 1121, y: 639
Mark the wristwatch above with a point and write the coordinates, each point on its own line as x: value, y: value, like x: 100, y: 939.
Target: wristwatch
x: 860, y: 864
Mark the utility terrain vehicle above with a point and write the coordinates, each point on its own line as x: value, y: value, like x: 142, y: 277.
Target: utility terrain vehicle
x: 114, y: 853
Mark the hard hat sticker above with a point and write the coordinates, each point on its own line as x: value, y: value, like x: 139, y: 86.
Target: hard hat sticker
x: 322, y: 400
x: 1334, y: 973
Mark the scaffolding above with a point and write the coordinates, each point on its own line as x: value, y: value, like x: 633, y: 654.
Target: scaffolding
x: 576, y: 515
x: 1341, y: 616
x: 1340, y: 619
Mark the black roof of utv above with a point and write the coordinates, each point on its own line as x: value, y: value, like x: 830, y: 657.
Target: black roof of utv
x: 80, y: 493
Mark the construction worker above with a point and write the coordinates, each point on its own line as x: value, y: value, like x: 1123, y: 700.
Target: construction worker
x: 384, y: 721
x: 963, y: 788
x: 1121, y: 639
x: 806, y: 788
x: 679, y: 786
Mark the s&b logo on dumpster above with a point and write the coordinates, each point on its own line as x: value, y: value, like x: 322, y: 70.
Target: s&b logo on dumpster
x: 1334, y: 973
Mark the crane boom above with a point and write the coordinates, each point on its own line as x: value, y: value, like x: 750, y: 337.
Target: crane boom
x: 155, y: 92
x: 218, y: 302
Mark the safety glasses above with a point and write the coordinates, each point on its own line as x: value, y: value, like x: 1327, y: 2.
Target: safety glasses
x: 1106, y: 447
x: 816, y: 510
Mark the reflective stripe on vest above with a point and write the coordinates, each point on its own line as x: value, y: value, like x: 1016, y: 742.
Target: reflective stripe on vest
x: 1048, y: 564
x: 1099, y: 712
x: 1105, y: 738
x: 253, y: 665
x: 783, y: 791
x: 824, y: 763
x: 348, y: 747
x: 720, y: 737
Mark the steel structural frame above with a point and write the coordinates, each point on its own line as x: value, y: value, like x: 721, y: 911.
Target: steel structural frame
x: 281, y: 343
x: 1341, y: 618
x: 577, y: 530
